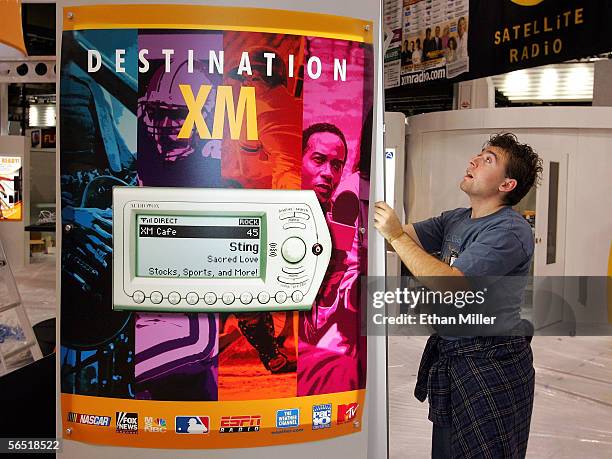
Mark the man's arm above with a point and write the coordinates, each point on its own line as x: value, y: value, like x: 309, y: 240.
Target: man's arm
x: 411, y: 232
x: 407, y: 245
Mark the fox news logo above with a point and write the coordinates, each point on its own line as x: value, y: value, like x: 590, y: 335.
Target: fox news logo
x: 235, y: 424
x: 90, y: 419
x: 321, y: 416
x: 347, y: 413
x: 286, y: 419
x: 192, y: 424
x: 155, y: 424
x: 127, y: 422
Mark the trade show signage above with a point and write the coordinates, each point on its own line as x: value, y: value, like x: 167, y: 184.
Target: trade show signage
x: 197, y: 97
x: 11, y: 200
x: 504, y: 37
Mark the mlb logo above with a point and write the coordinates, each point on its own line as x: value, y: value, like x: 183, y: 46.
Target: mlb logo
x: 347, y: 413
x: 192, y: 424
x: 287, y: 418
x: 321, y: 416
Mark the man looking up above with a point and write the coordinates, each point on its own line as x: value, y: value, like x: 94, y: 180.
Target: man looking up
x: 480, y: 389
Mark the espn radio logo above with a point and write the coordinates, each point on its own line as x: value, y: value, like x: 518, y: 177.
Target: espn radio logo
x: 347, y: 413
x: 236, y: 424
x: 89, y: 419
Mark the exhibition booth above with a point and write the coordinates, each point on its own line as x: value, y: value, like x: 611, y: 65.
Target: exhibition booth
x: 210, y: 215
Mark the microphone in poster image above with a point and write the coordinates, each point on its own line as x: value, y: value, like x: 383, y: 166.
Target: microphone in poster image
x: 341, y: 220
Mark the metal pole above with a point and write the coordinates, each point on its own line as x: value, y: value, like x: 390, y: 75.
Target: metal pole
x: 4, y: 109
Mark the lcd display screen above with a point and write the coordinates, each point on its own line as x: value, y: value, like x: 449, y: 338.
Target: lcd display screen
x: 199, y: 246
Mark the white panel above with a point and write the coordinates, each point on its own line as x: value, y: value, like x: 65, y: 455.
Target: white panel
x: 589, y: 210
x: 441, y: 143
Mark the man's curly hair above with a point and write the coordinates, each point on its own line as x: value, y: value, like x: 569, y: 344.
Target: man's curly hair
x: 522, y: 164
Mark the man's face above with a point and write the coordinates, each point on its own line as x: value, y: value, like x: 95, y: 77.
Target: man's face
x: 437, y: 32
x: 485, y: 173
x: 322, y: 166
x: 428, y: 34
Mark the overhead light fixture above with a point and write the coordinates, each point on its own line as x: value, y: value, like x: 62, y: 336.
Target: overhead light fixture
x: 571, y: 81
x: 517, y: 82
x: 42, y: 115
x: 549, y: 81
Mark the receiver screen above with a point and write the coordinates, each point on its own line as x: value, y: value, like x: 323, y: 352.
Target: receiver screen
x: 198, y: 246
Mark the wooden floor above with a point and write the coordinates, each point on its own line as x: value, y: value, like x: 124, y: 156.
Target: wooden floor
x: 573, y: 402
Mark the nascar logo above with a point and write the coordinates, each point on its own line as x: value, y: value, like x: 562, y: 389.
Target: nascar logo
x: 89, y: 419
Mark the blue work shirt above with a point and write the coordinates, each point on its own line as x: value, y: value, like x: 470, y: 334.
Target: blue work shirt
x: 499, y: 244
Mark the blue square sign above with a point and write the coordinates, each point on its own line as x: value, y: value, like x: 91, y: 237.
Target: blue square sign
x: 287, y: 418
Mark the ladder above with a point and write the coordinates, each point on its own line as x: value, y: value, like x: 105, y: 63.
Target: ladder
x: 17, y: 338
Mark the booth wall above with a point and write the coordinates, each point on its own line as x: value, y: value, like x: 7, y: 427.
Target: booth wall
x: 371, y: 441
x: 441, y: 144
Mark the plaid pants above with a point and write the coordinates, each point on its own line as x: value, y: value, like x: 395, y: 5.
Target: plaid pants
x: 483, y: 389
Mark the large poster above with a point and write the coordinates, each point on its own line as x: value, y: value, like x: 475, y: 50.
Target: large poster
x: 11, y: 200
x: 226, y: 103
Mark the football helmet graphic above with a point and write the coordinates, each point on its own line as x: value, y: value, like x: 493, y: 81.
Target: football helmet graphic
x: 163, y: 109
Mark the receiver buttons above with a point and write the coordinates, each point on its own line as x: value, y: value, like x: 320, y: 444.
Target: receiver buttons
x: 280, y: 297
x: 246, y: 298
x: 156, y: 297
x: 263, y: 297
x: 138, y: 296
x: 210, y: 298
x: 174, y: 298
x: 228, y: 298
x: 192, y: 298
x: 297, y: 296
x: 293, y: 250
x: 302, y: 215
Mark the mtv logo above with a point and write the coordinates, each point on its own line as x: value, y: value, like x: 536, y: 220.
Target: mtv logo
x: 347, y: 412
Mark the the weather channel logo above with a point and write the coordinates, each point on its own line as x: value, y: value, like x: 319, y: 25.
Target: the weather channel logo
x: 192, y: 424
x: 127, y: 422
x: 286, y: 419
x: 155, y: 424
x: 90, y: 419
x: 321, y: 416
